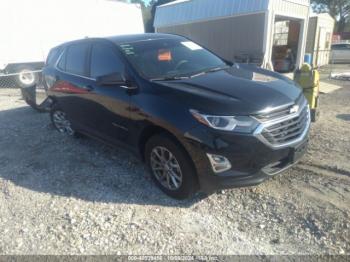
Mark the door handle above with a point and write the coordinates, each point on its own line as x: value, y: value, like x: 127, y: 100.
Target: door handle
x: 88, y: 88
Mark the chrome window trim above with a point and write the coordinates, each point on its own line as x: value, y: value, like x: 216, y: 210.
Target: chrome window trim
x: 259, y: 130
x: 89, y: 78
x: 59, y: 59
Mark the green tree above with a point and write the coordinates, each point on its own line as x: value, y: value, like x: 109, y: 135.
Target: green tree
x: 338, y: 9
x: 141, y: 2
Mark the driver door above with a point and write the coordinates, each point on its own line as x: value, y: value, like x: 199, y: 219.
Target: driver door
x: 110, y: 103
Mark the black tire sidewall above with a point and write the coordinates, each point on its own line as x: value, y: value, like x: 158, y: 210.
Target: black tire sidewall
x: 189, y: 182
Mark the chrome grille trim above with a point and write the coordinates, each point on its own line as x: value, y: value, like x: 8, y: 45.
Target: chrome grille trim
x: 286, y: 130
x: 276, y: 113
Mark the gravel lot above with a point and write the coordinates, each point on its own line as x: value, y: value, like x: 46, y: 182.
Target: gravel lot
x: 62, y: 195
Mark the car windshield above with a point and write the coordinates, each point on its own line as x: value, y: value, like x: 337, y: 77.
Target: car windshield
x: 163, y: 59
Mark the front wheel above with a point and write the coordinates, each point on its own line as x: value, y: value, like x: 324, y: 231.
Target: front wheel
x: 171, y: 167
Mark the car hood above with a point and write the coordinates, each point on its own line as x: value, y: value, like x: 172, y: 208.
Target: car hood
x: 239, y: 90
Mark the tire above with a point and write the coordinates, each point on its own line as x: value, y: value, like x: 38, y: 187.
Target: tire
x: 179, y: 157
x: 61, y: 122
x: 25, y: 77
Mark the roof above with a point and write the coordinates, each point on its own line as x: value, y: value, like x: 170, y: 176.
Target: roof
x: 175, y: 2
x: 140, y: 37
x: 120, y: 39
x: 187, y: 11
x: 345, y: 43
x: 323, y: 16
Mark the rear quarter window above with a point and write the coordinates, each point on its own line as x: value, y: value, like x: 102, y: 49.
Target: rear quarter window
x: 53, y: 56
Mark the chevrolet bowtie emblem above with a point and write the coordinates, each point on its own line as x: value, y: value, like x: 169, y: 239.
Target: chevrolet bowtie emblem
x: 294, y: 109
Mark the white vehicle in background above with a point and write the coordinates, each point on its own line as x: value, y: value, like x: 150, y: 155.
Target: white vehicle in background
x: 30, y: 28
x: 340, y: 53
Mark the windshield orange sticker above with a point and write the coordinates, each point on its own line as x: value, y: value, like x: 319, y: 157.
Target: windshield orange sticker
x: 164, y: 55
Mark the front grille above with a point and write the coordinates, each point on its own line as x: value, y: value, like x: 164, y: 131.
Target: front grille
x: 287, y: 130
x: 281, y: 112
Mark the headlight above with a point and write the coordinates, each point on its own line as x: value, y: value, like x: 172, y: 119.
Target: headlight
x: 244, y: 124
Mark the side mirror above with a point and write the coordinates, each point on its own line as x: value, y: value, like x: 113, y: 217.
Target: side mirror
x: 116, y: 79
x: 111, y: 79
x: 228, y: 62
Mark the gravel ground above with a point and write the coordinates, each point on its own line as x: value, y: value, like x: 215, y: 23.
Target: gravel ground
x: 62, y: 195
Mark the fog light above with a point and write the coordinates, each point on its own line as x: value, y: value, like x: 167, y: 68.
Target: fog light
x: 219, y: 163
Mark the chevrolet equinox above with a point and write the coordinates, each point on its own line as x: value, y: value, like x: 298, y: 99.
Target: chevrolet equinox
x: 199, y: 122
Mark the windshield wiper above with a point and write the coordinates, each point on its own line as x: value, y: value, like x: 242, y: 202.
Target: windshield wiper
x: 169, y: 78
x: 219, y: 68
x: 211, y: 70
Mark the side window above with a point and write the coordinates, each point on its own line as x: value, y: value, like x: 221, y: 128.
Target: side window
x: 104, y: 61
x: 53, y: 56
x: 339, y: 47
x: 76, y: 58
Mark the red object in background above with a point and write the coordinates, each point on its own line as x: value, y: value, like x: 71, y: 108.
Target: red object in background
x: 339, y: 36
x: 336, y: 37
x: 164, y: 55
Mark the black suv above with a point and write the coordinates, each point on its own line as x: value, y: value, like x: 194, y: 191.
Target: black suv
x: 199, y: 122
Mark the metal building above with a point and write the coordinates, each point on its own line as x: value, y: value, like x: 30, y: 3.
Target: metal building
x: 319, y: 38
x: 241, y: 28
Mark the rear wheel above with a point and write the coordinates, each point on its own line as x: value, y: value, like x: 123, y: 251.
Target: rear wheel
x: 171, y: 167
x: 61, y: 122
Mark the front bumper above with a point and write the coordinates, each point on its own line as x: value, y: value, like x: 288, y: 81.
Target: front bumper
x: 252, y: 161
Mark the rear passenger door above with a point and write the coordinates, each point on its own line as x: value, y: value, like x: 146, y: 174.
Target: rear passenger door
x: 72, y: 83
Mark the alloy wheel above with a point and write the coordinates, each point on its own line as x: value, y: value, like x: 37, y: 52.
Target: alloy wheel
x: 166, y: 168
x: 61, y: 122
